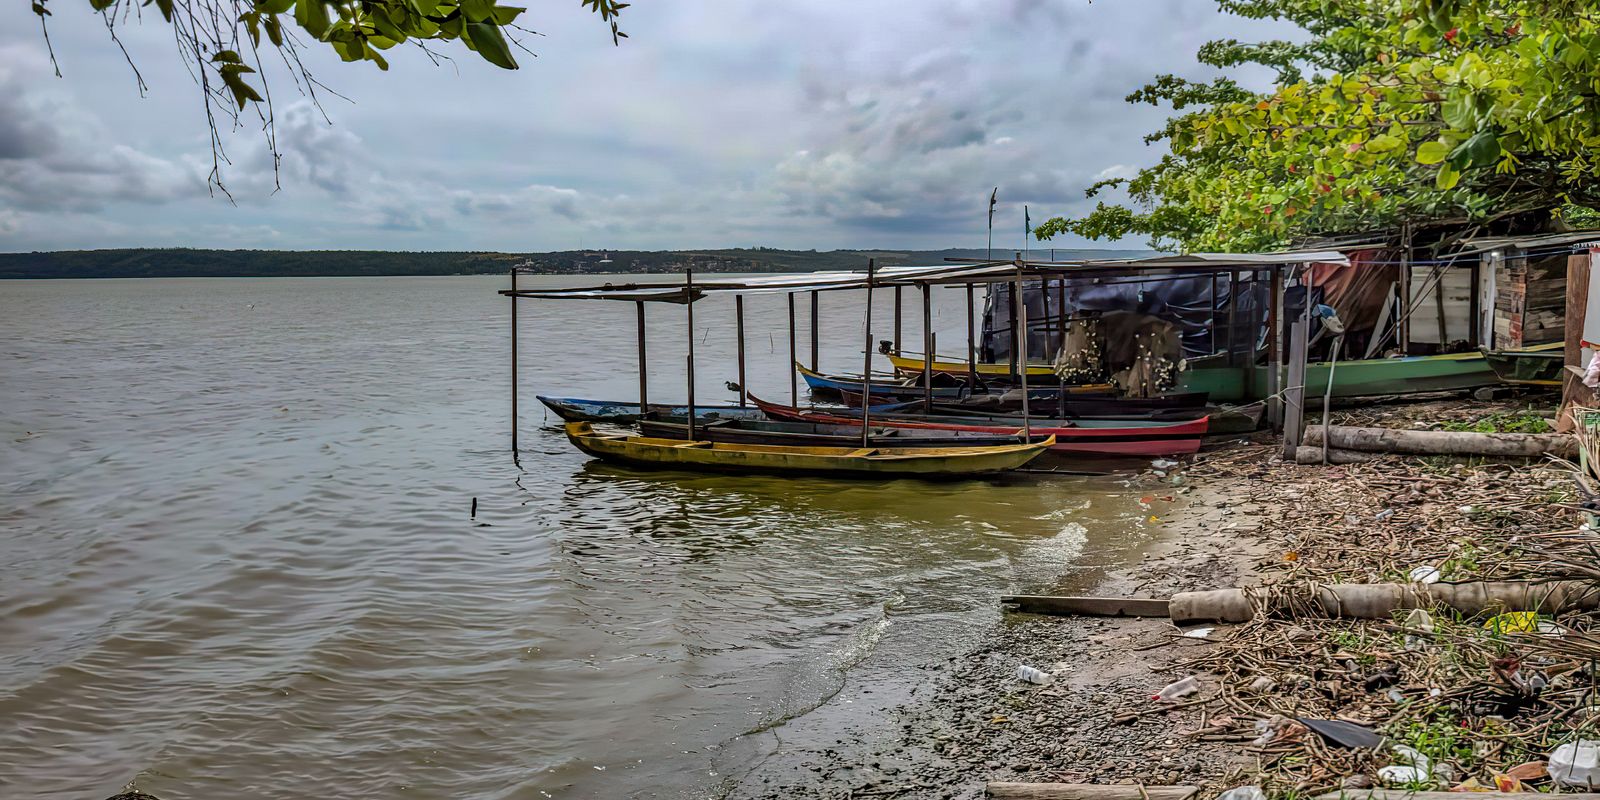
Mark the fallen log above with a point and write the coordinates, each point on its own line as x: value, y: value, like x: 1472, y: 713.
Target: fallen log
x: 1443, y: 443
x: 1380, y: 600
x: 1086, y: 606
x: 1088, y: 791
x: 1313, y: 455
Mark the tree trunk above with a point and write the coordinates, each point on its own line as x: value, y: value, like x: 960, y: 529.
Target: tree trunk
x: 1381, y: 600
x: 1313, y: 455
x: 1444, y: 443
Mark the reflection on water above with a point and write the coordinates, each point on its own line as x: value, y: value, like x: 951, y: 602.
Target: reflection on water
x: 238, y: 559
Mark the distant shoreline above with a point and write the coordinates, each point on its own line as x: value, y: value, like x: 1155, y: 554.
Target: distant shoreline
x: 194, y: 263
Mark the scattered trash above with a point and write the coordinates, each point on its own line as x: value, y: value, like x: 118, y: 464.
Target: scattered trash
x: 1034, y: 675
x: 1198, y: 633
x: 1513, y: 622
x: 1162, y: 463
x: 1243, y: 793
x: 1177, y: 689
x: 1404, y: 774
x: 1385, y: 514
x: 1465, y: 509
x: 1396, y: 696
x: 1263, y: 685
x: 1425, y: 575
x: 1529, y: 771
x: 1576, y: 763
x: 1277, y: 728
x: 1344, y: 733
x: 1357, y: 781
x: 1418, y: 620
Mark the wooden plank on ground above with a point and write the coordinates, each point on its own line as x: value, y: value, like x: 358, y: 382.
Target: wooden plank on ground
x: 1401, y: 794
x: 1097, y: 791
x: 1087, y: 606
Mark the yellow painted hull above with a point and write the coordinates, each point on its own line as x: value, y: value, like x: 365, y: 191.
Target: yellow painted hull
x: 643, y: 451
x: 908, y: 365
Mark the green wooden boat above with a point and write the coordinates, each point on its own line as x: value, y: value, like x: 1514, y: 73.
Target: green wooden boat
x: 1539, y: 365
x: 1363, y: 378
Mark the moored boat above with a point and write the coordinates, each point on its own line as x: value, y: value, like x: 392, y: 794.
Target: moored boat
x: 870, y: 462
x: 1539, y: 365
x: 577, y: 409
x: 1084, y: 437
x: 813, y: 434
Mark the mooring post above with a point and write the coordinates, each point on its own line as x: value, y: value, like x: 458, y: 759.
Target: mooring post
x: 927, y: 348
x: 1022, y: 327
x: 1275, y: 351
x: 814, y: 348
x: 897, y: 344
x: 972, y: 340
x: 644, y: 371
x: 688, y: 282
x: 516, y: 456
x: 1295, y: 392
x: 794, y: 378
x: 738, y: 318
x: 1015, y: 293
x: 866, y: 367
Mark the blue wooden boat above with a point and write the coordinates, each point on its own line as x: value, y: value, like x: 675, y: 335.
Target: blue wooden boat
x: 577, y: 409
x: 891, y: 388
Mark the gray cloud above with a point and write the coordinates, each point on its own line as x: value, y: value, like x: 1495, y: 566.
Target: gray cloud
x: 827, y: 124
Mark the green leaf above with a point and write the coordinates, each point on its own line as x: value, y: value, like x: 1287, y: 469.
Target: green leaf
x: 1447, y: 178
x: 1432, y: 152
x: 490, y: 44
x: 381, y: 22
x: 274, y: 6
x: 505, y: 15
x: 313, y: 16
x: 226, y: 55
x: 477, y: 10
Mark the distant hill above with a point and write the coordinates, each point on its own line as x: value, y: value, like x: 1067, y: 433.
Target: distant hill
x: 187, y: 263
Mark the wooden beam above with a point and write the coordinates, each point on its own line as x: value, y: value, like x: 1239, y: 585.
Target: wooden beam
x: 1099, y: 791
x: 794, y: 377
x: 1086, y: 606
x: 927, y: 349
x: 514, y: 455
x: 814, y: 348
x: 738, y: 324
x: 688, y: 282
x: 644, y: 373
x: 1294, y: 393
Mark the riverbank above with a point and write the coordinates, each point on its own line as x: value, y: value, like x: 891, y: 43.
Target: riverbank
x: 1240, y: 517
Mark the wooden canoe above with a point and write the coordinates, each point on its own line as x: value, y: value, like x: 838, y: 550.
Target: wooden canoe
x: 577, y: 409
x: 1539, y: 365
x: 1083, y: 437
x: 865, y: 462
x: 909, y: 365
x: 812, y: 434
x: 911, y: 389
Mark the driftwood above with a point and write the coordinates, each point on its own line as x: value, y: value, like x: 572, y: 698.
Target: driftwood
x: 1087, y: 606
x: 1089, y: 791
x: 1381, y: 600
x: 1443, y: 443
x: 1313, y: 455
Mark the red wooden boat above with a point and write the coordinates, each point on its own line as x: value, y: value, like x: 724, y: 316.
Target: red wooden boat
x: 1088, y: 437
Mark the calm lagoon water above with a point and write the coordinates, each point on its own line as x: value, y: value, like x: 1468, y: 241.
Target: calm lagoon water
x: 236, y: 556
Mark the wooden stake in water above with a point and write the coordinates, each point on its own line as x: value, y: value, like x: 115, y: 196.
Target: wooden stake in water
x: 866, y: 366
x: 738, y: 318
x: 1022, y: 356
x: 689, y: 305
x: 515, y: 456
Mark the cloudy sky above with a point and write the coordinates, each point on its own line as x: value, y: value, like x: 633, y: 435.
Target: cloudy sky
x: 829, y: 123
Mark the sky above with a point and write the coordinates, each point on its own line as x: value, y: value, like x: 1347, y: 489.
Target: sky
x: 718, y: 123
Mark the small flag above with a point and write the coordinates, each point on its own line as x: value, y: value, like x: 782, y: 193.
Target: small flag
x: 1027, y: 223
x: 994, y: 197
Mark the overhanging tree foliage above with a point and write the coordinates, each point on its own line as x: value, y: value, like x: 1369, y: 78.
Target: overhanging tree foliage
x: 1389, y: 112
x: 227, y: 43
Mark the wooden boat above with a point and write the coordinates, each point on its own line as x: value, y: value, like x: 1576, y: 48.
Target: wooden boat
x: 911, y: 388
x: 1083, y: 437
x: 1166, y: 407
x: 874, y: 462
x: 577, y: 409
x: 810, y: 434
x: 1539, y: 365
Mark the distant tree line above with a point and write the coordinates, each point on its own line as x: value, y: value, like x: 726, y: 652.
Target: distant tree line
x: 187, y: 263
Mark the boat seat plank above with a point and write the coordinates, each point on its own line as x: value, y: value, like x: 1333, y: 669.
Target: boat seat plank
x: 861, y: 452
x: 692, y: 444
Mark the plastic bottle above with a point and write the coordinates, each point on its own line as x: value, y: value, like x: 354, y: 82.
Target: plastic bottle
x: 1177, y: 689
x: 1032, y: 675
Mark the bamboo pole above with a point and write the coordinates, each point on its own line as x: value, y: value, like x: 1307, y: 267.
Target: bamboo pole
x: 814, y: 349
x: 516, y: 456
x: 688, y: 276
x: 644, y: 373
x: 972, y: 341
x: 1022, y: 326
x: 927, y: 348
x: 794, y: 378
x: 1014, y: 293
x: 738, y: 318
x: 897, y: 321
x: 866, y: 365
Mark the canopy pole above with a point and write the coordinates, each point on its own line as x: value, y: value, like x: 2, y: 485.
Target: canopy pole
x: 644, y: 374
x: 1015, y: 293
x: 927, y: 348
x: 972, y: 341
x: 897, y: 326
x: 1022, y: 327
x: 814, y: 348
x: 689, y: 306
x: 516, y: 457
x: 1233, y: 312
x: 866, y: 366
x: 738, y: 319
x: 794, y: 380
x: 1061, y: 323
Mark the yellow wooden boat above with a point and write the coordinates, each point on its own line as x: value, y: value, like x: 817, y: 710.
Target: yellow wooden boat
x: 907, y: 365
x: 926, y: 462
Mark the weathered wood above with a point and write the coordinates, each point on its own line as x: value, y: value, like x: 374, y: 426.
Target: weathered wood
x: 1380, y: 600
x: 1403, y: 794
x: 1306, y: 454
x: 1573, y: 392
x: 1093, y: 791
x: 1443, y: 443
x: 1086, y: 606
x: 1294, y: 394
